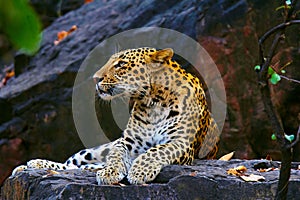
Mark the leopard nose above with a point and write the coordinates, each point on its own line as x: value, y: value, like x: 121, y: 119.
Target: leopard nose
x: 97, y: 79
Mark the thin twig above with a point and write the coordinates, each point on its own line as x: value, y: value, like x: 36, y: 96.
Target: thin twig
x: 270, y: 32
x: 275, y: 29
x: 279, y: 36
x: 265, y: 91
x: 289, y: 79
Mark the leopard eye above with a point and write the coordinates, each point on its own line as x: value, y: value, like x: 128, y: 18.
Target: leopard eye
x: 120, y: 64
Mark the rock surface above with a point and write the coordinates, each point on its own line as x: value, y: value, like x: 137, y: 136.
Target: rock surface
x: 39, y: 121
x: 206, y: 179
x: 49, y: 10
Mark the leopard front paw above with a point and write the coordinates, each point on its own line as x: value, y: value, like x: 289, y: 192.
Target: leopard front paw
x: 109, y: 175
x: 141, y: 174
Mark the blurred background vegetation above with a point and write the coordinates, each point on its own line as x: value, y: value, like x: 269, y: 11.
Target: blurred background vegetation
x: 20, y: 28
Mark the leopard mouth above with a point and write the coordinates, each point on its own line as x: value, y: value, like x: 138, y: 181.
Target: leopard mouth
x: 104, y: 94
x: 109, y: 93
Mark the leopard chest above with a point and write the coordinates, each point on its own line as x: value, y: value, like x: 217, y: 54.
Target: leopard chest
x: 150, y: 125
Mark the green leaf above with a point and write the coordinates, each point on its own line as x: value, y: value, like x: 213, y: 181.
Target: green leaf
x: 289, y: 137
x: 257, y: 68
x: 21, y: 25
x: 275, y: 78
x: 273, y: 137
x: 270, y: 71
x: 288, y: 2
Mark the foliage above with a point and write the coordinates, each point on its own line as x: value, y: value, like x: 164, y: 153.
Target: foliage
x: 20, y: 23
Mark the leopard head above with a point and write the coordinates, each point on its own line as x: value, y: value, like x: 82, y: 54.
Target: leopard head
x: 129, y: 72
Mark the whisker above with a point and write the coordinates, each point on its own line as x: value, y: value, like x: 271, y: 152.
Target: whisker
x: 101, y: 102
x: 104, y: 102
x: 123, y: 99
x: 117, y: 46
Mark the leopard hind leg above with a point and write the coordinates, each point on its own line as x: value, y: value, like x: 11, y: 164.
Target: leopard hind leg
x: 89, y: 159
x: 42, y: 164
x: 93, y: 158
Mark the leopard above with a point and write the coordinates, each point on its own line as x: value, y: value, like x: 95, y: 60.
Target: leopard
x: 170, y: 121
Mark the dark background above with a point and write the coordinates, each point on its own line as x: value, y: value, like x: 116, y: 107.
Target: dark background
x: 35, y: 105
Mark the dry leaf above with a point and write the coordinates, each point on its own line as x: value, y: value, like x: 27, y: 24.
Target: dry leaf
x: 252, y: 177
x: 193, y: 173
x: 8, y: 74
x: 266, y: 170
x: 237, y: 171
x: 63, y: 34
x: 227, y: 156
x: 232, y: 172
x: 73, y: 28
x: 241, y: 168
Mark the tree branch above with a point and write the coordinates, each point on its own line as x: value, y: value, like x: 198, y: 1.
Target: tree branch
x: 286, y: 147
x: 289, y: 79
x: 265, y: 62
x: 275, y: 29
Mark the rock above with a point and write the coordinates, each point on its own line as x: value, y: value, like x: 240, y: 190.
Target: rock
x: 206, y: 179
x: 6, y: 111
x: 49, y: 10
x: 41, y: 121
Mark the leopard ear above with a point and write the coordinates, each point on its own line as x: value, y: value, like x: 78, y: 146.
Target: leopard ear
x: 162, y: 55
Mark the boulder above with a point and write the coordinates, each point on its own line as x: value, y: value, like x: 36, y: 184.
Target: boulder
x: 205, y: 179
